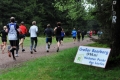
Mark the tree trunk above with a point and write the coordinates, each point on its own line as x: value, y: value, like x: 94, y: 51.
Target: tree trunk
x: 115, y: 48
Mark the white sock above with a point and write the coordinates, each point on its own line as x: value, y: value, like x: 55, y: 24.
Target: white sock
x: 46, y: 46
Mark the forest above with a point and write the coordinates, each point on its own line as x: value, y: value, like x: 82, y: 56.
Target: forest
x: 72, y: 13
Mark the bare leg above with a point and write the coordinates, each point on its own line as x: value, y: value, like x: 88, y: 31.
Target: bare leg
x: 21, y: 44
x: 4, y: 46
x: 58, y: 45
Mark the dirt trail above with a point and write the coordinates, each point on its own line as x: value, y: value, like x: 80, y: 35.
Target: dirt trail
x: 7, y: 62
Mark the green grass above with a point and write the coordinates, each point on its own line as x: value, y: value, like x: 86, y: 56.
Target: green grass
x: 42, y: 41
x: 99, y: 45
x: 60, y: 66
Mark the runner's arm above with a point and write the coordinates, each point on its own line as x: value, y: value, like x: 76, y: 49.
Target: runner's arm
x: 36, y: 29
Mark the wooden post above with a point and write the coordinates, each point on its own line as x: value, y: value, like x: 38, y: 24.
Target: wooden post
x: 115, y: 48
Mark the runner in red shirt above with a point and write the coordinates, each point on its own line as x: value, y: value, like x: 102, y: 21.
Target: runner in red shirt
x: 23, y: 31
x: 90, y: 34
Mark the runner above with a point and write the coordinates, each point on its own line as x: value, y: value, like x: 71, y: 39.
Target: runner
x: 78, y: 35
x: 33, y: 35
x: 49, y: 33
x: 12, y: 29
x: 3, y: 38
x: 17, y: 49
x: 23, y: 31
x: 74, y: 33
x: 90, y: 34
x: 62, y: 36
x: 83, y: 34
x: 58, y: 30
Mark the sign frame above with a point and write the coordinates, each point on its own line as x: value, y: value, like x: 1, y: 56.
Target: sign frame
x: 93, y: 56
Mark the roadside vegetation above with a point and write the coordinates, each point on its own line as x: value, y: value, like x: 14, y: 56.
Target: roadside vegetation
x: 60, y: 66
x: 42, y: 41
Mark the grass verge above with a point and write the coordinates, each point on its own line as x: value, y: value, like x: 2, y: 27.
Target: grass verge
x: 42, y: 41
x: 60, y: 66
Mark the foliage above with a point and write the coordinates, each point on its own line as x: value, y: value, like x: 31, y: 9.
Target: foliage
x: 102, y: 12
x: 71, y: 13
x: 111, y: 31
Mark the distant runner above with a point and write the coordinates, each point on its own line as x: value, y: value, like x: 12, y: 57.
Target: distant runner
x: 62, y: 36
x: 3, y: 38
x: 33, y: 36
x: 78, y: 35
x: 74, y: 34
x: 49, y: 33
x: 23, y: 32
x: 58, y: 30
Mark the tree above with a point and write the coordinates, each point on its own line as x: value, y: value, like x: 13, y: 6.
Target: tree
x: 115, y: 46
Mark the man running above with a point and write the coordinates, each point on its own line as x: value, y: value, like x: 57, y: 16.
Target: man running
x: 33, y: 35
x: 12, y: 29
x: 78, y: 35
x: 23, y: 31
x: 49, y: 33
x: 62, y: 36
x: 58, y: 30
x: 74, y: 33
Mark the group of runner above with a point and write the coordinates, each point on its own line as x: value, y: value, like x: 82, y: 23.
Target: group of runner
x: 16, y: 36
x: 77, y: 34
x: 14, y: 33
x: 58, y: 31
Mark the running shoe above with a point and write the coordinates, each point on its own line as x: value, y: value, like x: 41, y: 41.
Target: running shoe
x: 14, y: 58
x: 23, y: 50
x: 47, y: 50
x: 9, y: 53
x: 16, y: 55
x: 57, y: 49
x: 31, y: 52
x: 34, y: 50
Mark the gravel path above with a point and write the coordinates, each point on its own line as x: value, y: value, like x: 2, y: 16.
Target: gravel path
x: 8, y: 62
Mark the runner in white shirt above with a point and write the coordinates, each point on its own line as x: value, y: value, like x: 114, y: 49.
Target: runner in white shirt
x: 33, y: 35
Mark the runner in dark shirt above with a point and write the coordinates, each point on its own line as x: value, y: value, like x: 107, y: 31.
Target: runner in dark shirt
x: 3, y: 38
x: 58, y: 30
x: 78, y: 35
x: 49, y: 33
x: 83, y: 34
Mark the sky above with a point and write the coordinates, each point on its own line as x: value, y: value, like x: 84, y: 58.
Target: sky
x: 87, y: 5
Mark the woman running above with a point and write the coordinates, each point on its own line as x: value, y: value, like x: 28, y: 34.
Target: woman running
x: 58, y: 30
x: 3, y: 38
